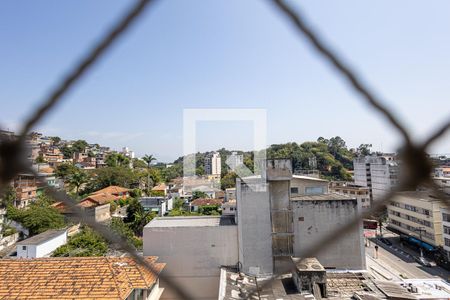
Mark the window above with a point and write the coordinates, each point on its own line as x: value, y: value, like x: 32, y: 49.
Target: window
x: 294, y: 190
x: 314, y: 190
x: 231, y: 208
x: 447, y: 242
x: 395, y: 222
x: 446, y: 229
x: 24, y: 248
x: 446, y: 217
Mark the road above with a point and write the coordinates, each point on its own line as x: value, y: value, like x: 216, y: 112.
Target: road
x: 399, y: 261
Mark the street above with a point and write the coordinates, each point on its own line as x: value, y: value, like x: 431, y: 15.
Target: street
x: 398, y: 261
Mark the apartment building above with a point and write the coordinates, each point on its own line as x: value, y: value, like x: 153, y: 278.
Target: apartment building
x: 235, y: 160
x: 25, y: 186
x: 378, y: 173
x: 446, y: 230
x: 361, y: 193
x: 213, y: 164
x: 417, y: 214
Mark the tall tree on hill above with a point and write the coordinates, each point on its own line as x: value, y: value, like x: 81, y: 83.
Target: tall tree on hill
x: 148, y: 158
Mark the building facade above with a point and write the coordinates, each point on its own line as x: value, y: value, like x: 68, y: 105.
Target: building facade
x: 194, y: 249
x: 213, y: 164
x: 41, y: 245
x: 378, y: 173
x: 351, y: 189
x: 417, y: 214
x: 288, y: 214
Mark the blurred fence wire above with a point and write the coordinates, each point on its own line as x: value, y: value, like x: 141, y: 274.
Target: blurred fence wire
x: 417, y: 166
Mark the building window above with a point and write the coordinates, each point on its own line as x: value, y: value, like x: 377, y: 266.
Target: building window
x: 24, y: 248
x: 397, y: 223
x: 446, y: 229
x: 294, y: 190
x: 447, y: 242
x: 446, y: 217
x: 314, y: 190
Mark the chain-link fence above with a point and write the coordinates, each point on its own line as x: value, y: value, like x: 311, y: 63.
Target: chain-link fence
x: 416, y: 171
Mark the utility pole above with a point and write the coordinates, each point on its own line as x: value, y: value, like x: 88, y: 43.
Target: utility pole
x: 420, y: 229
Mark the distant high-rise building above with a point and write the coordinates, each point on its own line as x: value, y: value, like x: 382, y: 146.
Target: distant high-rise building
x: 235, y: 160
x: 213, y: 164
x: 378, y: 173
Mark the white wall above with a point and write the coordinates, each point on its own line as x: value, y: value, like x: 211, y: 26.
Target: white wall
x: 255, y: 228
x: 314, y: 220
x: 193, y: 256
x: 44, y: 249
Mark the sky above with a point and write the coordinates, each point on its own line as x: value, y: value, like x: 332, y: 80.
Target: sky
x: 227, y: 54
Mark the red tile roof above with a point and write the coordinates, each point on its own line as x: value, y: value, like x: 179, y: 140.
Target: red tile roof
x: 204, y: 201
x: 112, y: 189
x: 74, y: 277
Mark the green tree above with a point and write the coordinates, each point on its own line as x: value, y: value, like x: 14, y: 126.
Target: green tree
x: 8, y: 197
x: 148, y: 158
x: 228, y: 181
x: 65, y: 170
x: 124, y: 230
x: 117, y: 160
x: 55, y: 140
x: 79, y: 146
x: 199, y: 194
x: 137, y: 217
x: 134, y: 208
x: 40, y: 159
x: 364, y: 149
x: 38, y: 218
x: 139, y: 164
x: 209, y: 210
x: 77, y: 179
x: 104, y: 177
x: 85, y: 243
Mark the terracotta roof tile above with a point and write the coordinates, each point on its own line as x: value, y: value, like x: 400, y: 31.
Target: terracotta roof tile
x: 160, y: 187
x: 74, y: 277
x: 202, y: 202
x: 112, y: 189
x: 97, y: 199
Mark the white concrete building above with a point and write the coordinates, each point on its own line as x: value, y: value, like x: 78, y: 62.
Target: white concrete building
x: 213, y: 164
x: 378, y: 173
x: 41, y: 245
x: 194, y: 249
x: 234, y: 160
x: 287, y: 215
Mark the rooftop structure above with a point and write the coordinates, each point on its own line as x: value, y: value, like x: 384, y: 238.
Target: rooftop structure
x: 78, y: 278
x: 42, y: 237
x: 194, y: 248
x: 195, y: 221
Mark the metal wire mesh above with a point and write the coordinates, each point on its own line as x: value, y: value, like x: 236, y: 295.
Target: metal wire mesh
x: 417, y: 166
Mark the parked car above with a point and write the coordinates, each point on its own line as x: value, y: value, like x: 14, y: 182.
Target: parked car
x: 386, y: 241
x: 423, y: 261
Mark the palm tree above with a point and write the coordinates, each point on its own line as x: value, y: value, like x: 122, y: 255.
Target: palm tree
x: 148, y: 158
x: 77, y: 179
